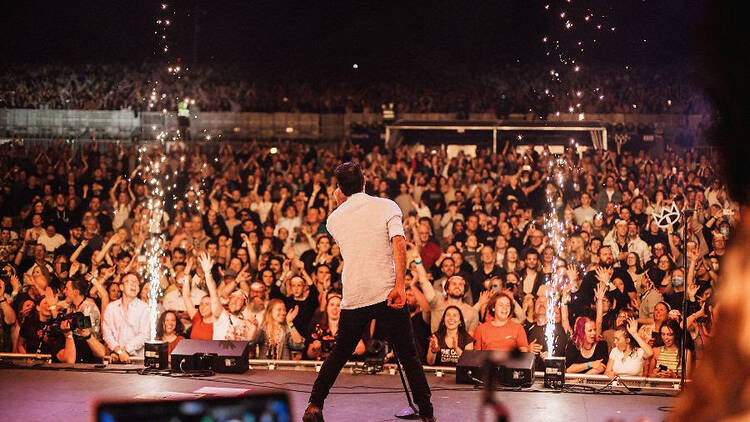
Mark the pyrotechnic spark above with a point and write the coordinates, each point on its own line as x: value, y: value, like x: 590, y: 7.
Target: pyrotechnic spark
x: 555, y: 231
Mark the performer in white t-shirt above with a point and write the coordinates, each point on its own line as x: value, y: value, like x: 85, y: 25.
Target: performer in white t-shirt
x: 369, y: 231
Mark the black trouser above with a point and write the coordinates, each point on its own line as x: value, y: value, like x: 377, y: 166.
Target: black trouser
x: 397, y: 325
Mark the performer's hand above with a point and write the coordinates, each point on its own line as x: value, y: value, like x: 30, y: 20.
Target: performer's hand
x: 397, y: 298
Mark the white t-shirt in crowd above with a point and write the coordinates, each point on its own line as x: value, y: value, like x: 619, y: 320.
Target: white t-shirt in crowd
x: 631, y: 364
x: 51, y: 243
x: 231, y: 327
x: 363, y: 227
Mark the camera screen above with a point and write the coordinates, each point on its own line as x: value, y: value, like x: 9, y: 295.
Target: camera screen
x: 273, y: 407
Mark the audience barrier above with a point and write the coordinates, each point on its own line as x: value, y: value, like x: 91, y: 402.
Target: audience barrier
x: 440, y: 371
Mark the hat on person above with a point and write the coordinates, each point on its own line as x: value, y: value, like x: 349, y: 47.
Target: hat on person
x: 239, y: 292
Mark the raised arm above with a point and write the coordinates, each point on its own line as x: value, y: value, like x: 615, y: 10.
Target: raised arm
x: 599, y: 292
x: 633, y: 330
x: 186, y: 296
x: 206, y: 264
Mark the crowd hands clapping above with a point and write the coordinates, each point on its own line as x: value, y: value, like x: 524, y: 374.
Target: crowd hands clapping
x: 246, y: 254
x: 511, y: 88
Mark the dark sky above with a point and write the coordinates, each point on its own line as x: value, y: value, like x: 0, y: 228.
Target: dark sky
x: 330, y: 34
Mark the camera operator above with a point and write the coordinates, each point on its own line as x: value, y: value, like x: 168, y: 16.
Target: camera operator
x: 75, y: 294
x: 66, y: 337
x: 7, y: 317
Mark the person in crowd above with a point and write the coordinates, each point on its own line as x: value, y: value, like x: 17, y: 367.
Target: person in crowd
x: 229, y: 323
x: 7, y: 316
x: 170, y: 330
x: 201, y: 315
x: 536, y: 331
x: 586, y: 353
x: 303, y: 296
x: 585, y: 212
x: 488, y: 269
x: 649, y: 298
x: 630, y: 353
x: 323, y: 329
x: 455, y: 291
x: 501, y: 333
x: 76, y: 291
x: 277, y: 336
x: 450, y: 340
x: 667, y: 360
x: 126, y: 322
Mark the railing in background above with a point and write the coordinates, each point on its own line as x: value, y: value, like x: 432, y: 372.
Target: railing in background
x: 124, y: 124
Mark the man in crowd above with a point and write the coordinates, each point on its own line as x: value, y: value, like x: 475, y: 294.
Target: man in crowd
x: 126, y: 322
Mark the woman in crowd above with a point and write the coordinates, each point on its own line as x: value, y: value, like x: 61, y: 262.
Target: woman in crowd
x: 634, y: 268
x: 323, y: 329
x: 586, y: 353
x: 450, y: 340
x: 630, y: 352
x: 277, y: 336
x: 500, y: 333
x: 202, y: 318
x: 169, y: 329
x: 667, y: 358
x: 661, y: 313
x: 701, y: 326
x: 510, y: 261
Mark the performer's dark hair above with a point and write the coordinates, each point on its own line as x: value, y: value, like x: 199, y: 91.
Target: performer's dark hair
x: 349, y: 177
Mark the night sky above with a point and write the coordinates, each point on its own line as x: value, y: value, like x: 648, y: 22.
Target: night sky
x: 335, y: 34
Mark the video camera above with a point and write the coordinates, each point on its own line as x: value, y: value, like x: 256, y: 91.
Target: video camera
x: 77, y: 321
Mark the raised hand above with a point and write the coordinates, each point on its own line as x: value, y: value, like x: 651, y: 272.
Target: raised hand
x: 292, y: 314
x: 572, y: 272
x: 243, y: 276
x: 599, y: 291
x: 633, y: 327
x: 434, y: 344
x: 484, y: 297
x: 692, y: 290
x: 189, y: 266
x: 604, y: 274
x: 206, y: 263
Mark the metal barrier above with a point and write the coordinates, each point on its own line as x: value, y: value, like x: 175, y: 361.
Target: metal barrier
x: 439, y: 371
x: 24, y: 356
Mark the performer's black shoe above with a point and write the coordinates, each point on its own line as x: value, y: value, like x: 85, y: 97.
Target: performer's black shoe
x: 427, y: 419
x: 312, y: 414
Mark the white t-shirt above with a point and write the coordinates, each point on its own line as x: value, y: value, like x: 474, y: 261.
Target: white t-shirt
x: 51, y: 243
x: 231, y: 327
x: 363, y: 227
x: 631, y: 364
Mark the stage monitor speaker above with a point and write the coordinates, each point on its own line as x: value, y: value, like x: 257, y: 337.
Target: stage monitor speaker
x: 507, y: 369
x: 216, y: 355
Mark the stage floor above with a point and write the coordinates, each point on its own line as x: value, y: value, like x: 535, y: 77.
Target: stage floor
x: 43, y: 395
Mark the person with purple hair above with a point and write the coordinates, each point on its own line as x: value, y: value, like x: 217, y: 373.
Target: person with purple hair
x: 586, y: 353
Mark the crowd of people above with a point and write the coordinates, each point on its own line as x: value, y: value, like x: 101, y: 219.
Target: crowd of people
x: 512, y: 88
x: 246, y: 255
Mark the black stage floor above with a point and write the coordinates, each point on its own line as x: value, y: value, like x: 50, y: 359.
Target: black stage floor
x: 54, y: 395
